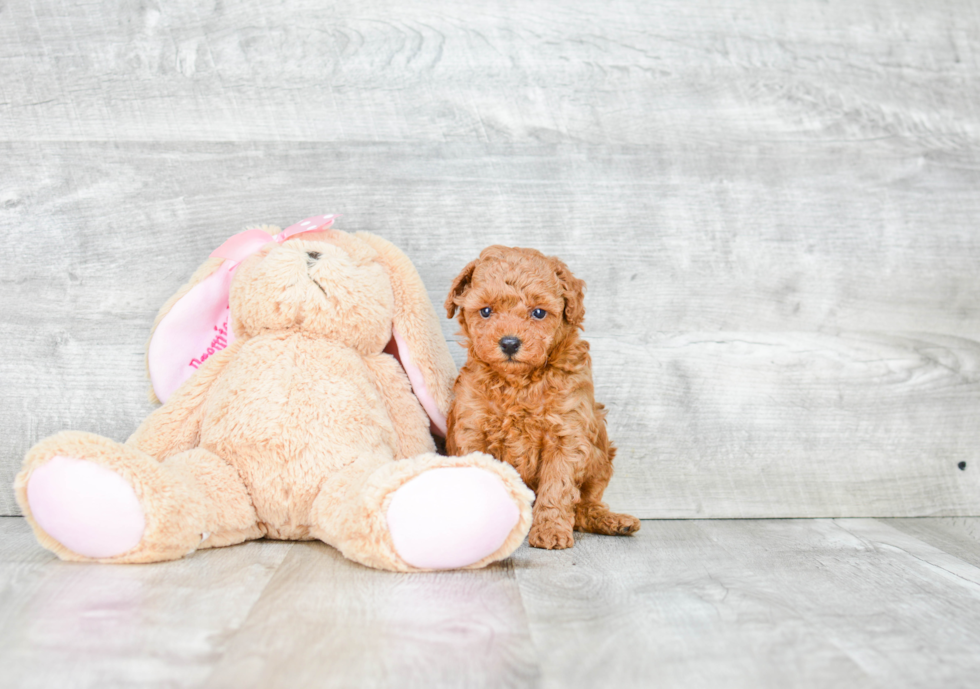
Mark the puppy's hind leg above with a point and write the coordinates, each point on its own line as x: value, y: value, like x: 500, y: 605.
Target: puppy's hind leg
x: 591, y: 513
x: 595, y: 517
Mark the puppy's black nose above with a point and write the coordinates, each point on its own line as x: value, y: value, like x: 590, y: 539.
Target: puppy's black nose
x: 509, y: 345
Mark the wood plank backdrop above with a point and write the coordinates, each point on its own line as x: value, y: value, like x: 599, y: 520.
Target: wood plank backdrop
x: 776, y: 207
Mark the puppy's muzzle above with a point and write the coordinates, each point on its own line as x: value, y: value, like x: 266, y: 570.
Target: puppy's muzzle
x: 509, y: 345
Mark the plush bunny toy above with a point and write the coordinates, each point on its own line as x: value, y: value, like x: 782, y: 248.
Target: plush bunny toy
x: 287, y: 371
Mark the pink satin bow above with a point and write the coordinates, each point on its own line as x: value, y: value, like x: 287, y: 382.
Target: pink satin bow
x: 244, y: 244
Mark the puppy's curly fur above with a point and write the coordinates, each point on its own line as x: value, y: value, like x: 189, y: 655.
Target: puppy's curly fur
x: 525, y: 394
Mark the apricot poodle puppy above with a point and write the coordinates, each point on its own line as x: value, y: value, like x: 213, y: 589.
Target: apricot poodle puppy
x: 525, y: 394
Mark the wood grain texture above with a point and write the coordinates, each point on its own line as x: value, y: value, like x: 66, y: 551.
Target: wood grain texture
x: 327, y: 622
x: 764, y: 604
x: 783, y: 424
x: 808, y: 603
x: 372, y: 70
x: 817, y: 421
x: 775, y: 209
x: 76, y: 625
x: 959, y: 537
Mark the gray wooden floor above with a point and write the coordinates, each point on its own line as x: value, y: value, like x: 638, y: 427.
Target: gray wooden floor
x: 723, y: 603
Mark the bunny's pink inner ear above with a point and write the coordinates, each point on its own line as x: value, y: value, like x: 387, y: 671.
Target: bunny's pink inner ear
x: 398, y: 348
x: 197, y: 326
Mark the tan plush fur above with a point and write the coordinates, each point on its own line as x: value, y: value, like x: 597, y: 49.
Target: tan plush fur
x: 292, y: 432
x: 533, y: 408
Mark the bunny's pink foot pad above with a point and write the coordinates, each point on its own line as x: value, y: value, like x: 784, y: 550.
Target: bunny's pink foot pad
x: 88, y: 508
x: 451, y: 517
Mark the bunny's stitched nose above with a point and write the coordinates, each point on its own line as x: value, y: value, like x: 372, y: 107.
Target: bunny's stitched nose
x: 509, y: 345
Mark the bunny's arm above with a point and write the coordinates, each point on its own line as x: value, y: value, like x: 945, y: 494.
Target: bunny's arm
x: 175, y: 427
x: 406, y: 414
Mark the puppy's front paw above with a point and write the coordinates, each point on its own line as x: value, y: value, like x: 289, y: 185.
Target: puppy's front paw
x: 551, y: 536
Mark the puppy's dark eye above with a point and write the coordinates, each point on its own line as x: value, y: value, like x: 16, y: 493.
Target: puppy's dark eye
x: 313, y: 254
x: 486, y: 311
x: 538, y: 314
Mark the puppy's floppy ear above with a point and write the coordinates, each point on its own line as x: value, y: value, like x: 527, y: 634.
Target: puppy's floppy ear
x: 573, y: 291
x: 460, y: 285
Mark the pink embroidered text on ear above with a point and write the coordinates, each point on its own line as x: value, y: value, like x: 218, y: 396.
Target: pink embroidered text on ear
x: 199, y: 324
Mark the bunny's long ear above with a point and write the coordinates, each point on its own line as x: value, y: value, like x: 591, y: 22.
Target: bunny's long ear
x: 416, y: 334
x: 194, y: 321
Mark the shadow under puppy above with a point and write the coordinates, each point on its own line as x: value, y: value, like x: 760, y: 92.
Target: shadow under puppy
x: 525, y: 394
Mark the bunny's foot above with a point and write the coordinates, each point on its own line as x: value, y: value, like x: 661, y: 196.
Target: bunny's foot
x: 451, y: 517
x: 90, y: 498
x: 87, y: 508
x: 427, y: 512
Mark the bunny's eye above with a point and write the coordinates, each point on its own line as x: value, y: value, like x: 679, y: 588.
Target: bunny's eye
x: 538, y: 314
x: 486, y: 311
